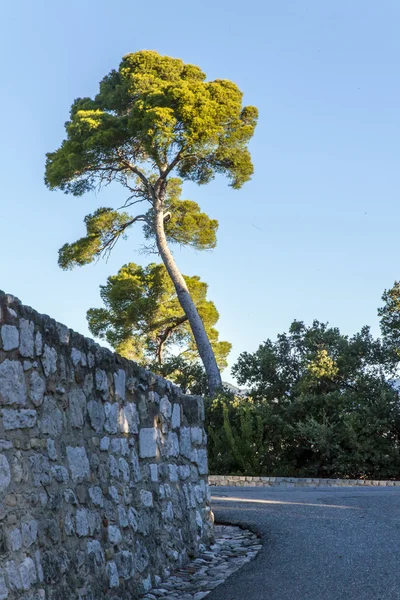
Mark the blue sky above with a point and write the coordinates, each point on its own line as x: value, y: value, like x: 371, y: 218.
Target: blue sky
x: 315, y: 234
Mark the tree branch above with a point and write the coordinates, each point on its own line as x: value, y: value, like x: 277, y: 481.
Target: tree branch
x: 128, y: 202
x: 165, y: 335
x: 139, y: 173
x: 164, y: 174
x: 107, y: 247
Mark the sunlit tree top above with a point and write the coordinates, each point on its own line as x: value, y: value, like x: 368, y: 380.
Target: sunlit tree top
x: 154, y: 112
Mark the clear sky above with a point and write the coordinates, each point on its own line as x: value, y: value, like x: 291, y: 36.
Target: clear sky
x: 315, y: 234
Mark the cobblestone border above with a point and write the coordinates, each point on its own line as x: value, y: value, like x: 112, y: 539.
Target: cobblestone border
x: 233, y: 547
x: 239, y: 481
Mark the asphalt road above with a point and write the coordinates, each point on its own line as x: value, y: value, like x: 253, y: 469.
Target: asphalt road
x: 318, y: 543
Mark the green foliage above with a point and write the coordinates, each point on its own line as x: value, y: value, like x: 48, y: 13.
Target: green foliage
x: 390, y: 319
x: 321, y: 404
x: 189, y: 375
x: 309, y: 359
x: 155, y: 122
x: 184, y: 224
x: 151, y: 110
x: 236, y: 437
x: 144, y: 321
x: 103, y: 228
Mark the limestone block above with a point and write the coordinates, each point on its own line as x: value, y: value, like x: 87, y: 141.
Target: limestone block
x: 148, y: 442
x: 146, y: 498
x: 114, y: 494
x: 173, y: 444
x: 196, y: 435
x: 111, y: 414
x: 78, y: 463
x: 176, y: 416
x: 113, y: 467
x: 40, y: 469
x: 18, y: 419
x: 63, y: 334
x: 76, y: 356
x: 165, y: 407
x: 202, y: 462
x: 77, y: 408
x: 185, y: 442
x: 122, y: 517
x: 133, y: 519
x: 49, y: 360
x: 27, y: 571
x: 112, y: 573
x: 124, y: 470
x: 37, y: 388
x: 12, y: 383
x: 15, y: 540
x: 51, y: 449
x: 51, y: 421
x: 9, y: 337
x: 102, y: 383
x: 82, y: 525
x: 128, y: 419
x: 173, y: 472
x: 119, y: 384
x: 38, y: 343
x: 3, y: 586
x: 26, y: 345
x: 124, y: 561
x: 137, y: 473
x: 96, y: 415
x: 29, y: 532
x: 114, y: 534
x: 104, y: 442
x: 96, y: 496
x: 13, y: 576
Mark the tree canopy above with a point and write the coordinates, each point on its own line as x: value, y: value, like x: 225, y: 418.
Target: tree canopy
x: 320, y: 404
x: 308, y: 359
x: 155, y: 122
x: 154, y: 112
x: 389, y: 315
x: 144, y: 321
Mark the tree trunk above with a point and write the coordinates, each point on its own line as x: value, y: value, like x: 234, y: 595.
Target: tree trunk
x: 185, y: 300
x: 159, y: 353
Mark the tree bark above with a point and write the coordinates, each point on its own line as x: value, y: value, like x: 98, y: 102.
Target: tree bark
x: 185, y: 300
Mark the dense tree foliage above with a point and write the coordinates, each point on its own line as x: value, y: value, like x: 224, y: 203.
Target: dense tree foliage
x: 155, y: 122
x: 144, y: 321
x: 389, y: 315
x: 320, y: 404
x: 188, y: 374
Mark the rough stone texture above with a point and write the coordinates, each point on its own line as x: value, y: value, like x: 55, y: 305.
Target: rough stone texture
x: 12, y: 383
x: 18, y: 419
x: 103, y: 481
x: 233, y: 548
x: 148, y: 442
x: 26, y: 346
x: 9, y: 337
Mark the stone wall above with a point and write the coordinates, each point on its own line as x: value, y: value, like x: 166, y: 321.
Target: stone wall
x: 103, y: 467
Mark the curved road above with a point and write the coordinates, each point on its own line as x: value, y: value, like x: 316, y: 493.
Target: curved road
x: 318, y: 543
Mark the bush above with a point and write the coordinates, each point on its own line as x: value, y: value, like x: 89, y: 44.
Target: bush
x: 321, y: 405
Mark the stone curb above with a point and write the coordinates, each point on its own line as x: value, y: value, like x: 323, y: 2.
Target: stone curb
x: 245, y: 481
